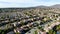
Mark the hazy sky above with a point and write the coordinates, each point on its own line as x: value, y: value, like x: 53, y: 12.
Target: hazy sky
x: 27, y: 3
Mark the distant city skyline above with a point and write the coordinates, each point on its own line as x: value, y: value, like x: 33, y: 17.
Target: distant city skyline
x: 27, y: 3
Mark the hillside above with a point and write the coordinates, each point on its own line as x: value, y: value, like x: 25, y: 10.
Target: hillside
x: 19, y: 20
x: 34, y: 10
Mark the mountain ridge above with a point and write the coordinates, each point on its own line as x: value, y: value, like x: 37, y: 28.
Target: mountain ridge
x: 56, y: 5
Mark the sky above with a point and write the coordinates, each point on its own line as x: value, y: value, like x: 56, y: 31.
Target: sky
x: 27, y: 3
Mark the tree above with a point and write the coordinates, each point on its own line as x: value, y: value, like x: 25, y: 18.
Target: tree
x: 39, y: 27
x: 17, y: 33
x: 2, y: 32
x: 35, y: 32
x: 50, y: 32
x: 54, y: 32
